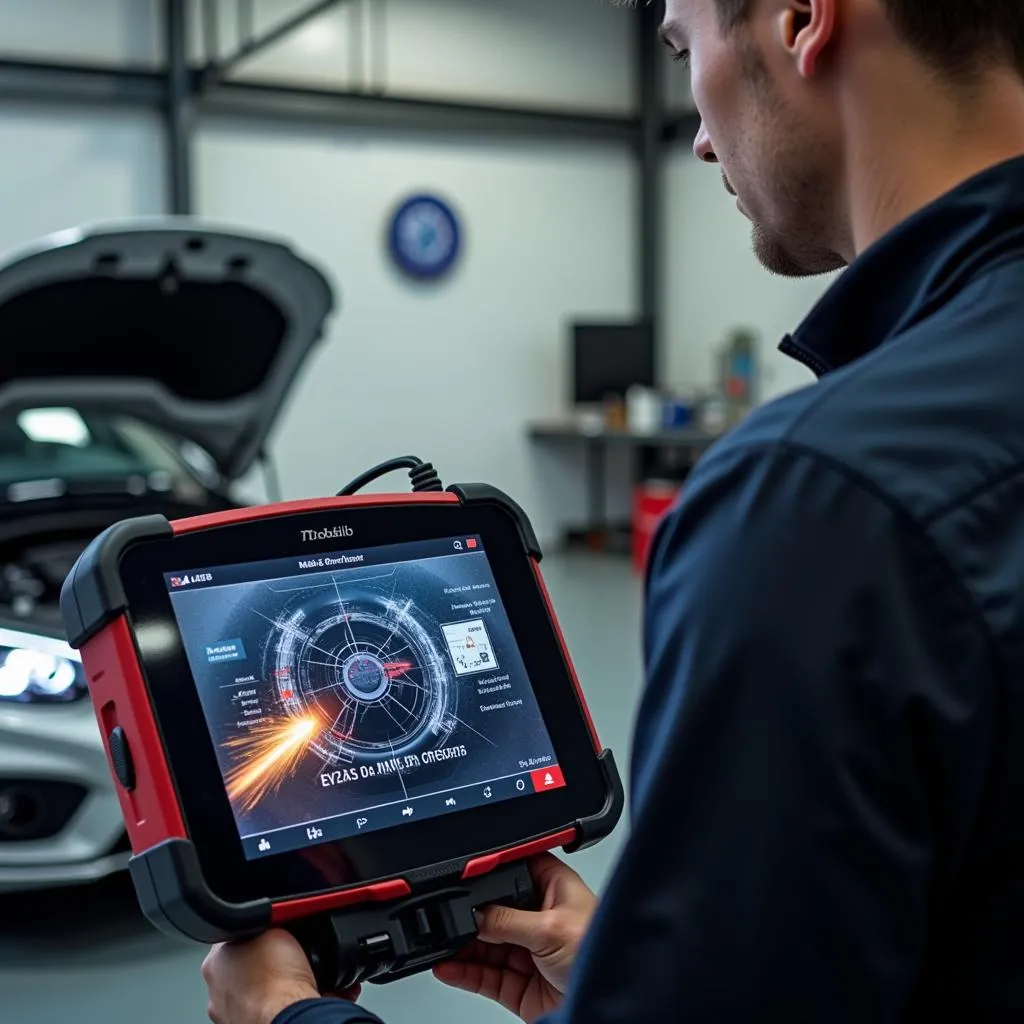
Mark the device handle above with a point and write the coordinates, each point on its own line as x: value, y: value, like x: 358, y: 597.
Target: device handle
x: 382, y: 943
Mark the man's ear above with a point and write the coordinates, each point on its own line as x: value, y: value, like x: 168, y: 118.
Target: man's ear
x: 808, y: 27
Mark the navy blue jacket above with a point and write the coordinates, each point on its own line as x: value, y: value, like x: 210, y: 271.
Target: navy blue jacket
x: 828, y: 779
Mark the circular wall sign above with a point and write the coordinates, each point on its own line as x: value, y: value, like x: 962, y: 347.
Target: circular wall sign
x: 425, y: 237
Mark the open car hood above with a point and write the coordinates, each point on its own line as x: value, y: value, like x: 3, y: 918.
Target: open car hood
x: 200, y: 331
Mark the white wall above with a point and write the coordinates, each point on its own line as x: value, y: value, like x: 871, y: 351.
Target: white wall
x: 550, y: 227
x: 451, y: 372
x: 714, y: 282
x: 562, y: 53
x: 82, y: 31
x: 67, y: 166
x: 71, y: 167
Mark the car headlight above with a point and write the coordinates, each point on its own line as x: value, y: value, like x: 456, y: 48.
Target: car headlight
x: 38, y: 669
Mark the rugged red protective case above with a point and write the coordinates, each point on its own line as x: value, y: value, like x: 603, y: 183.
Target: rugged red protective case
x: 164, y: 866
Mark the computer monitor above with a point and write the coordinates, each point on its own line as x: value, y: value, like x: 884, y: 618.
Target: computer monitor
x: 609, y: 358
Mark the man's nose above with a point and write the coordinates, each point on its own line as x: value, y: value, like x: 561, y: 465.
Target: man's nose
x: 702, y: 148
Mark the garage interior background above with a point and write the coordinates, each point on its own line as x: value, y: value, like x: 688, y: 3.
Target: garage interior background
x: 561, y: 132
x: 577, y: 198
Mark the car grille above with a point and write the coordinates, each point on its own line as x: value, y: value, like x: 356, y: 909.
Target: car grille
x: 34, y: 809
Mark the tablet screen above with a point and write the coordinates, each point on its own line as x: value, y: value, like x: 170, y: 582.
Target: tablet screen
x: 361, y: 690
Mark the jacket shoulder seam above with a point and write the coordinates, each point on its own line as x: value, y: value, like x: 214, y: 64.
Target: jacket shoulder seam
x: 921, y: 529
x: 965, y: 500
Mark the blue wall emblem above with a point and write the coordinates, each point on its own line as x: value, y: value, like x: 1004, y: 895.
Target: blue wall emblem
x: 425, y: 237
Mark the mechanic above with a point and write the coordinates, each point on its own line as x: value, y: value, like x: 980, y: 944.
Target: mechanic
x: 829, y: 768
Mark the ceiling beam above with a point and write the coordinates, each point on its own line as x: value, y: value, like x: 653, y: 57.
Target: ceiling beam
x: 221, y: 68
x: 402, y: 113
x: 104, y: 86
x: 80, y: 84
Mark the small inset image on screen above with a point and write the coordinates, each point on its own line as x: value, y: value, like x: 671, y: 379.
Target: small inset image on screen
x: 361, y: 690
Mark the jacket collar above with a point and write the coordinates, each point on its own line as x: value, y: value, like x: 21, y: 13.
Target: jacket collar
x: 914, y: 270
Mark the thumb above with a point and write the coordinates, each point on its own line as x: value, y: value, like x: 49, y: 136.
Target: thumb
x: 529, y: 929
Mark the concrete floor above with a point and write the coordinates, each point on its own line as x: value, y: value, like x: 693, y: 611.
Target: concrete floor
x: 87, y: 956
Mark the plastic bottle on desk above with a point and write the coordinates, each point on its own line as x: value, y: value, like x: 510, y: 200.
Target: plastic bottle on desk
x: 738, y: 374
x: 643, y: 410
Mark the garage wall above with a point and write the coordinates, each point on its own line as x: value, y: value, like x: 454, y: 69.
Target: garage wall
x: 64, y: 168
x: 451, y: 372
x: 714, y: 282
x: 82, y: 31
x: 498, y: 51
x: 550, y: 226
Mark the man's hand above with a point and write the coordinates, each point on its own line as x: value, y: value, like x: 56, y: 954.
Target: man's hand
x: 252, y: 982
x: 523, y: 959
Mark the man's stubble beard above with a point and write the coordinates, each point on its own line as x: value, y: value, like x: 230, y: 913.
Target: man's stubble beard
x: 796, y: 161
x: 783, y: 260
x: 797, y: 254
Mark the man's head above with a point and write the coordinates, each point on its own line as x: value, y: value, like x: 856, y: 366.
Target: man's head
x: 809, y: 105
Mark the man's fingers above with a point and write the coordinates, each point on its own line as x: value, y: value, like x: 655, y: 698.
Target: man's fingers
x: 208, y: 962
x: 494, y: 983
x: 479, y: 952
x: 350, y: 994
x: 560, y: 884
x: 545, y: 867
x: 466, y: 975
x: 506, y: 925
x: 509, y: 958
x: 539, y: 932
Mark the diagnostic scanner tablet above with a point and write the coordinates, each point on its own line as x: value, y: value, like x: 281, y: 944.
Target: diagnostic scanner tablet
x: 354, y: 717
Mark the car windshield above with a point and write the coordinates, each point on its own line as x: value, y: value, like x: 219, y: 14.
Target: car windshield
x: 47, y: 452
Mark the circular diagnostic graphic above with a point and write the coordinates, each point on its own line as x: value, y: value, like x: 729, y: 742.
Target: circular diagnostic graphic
x: 368, y: 671
x: 366, y: 677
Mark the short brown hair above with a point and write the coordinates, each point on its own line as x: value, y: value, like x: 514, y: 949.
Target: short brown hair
x: 957, y: 37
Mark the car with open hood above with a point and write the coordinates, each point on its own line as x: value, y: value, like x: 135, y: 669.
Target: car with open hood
x: 144, y: 366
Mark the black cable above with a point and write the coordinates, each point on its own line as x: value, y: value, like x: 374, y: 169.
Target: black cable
x: 422, y: 475
x: 425, y: 478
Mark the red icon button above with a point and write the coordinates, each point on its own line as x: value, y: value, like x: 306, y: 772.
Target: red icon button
x: 471, y: 543
x: 547, y: 778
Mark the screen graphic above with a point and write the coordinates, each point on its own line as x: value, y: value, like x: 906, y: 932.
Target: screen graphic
x: 359, y: 690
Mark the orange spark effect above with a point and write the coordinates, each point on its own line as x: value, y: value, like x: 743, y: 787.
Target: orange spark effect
x: 266, y: 756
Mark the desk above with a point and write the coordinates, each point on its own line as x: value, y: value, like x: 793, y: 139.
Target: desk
x: 596, y: 445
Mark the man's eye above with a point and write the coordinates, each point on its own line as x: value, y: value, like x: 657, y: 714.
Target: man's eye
x: 682, y: 57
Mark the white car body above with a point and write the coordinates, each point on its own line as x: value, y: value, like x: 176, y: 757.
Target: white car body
x: 62, y: 744
x: 150, y: 439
